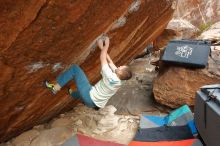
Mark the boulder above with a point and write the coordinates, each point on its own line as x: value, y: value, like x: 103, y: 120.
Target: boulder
x: 62, y: 122
x: 198, y: 12
x: 183, y: 27
x: 41, y: 38
x: 192, y: 17
x: 108, y: 121
x: 213, y: 34
x: 175, y: 86
x: 26, y: 138
x: 52, y: 137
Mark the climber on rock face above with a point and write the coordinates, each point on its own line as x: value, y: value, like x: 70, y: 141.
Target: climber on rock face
x: 94, y: 96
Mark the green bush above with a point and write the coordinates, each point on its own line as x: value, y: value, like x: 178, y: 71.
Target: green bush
x: 203, y: 27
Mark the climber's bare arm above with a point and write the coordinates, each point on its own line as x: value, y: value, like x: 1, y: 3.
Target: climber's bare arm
x: 111, y: 63
x: 104, y: 57
x: 104, y: 50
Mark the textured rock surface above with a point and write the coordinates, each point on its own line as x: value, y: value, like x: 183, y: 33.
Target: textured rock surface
x: 213, y: 33
x: 103, y: 124
x: 25, y: 138
x: 184, y: 28
x: 135, y: 96
x: 193, y: 16
x: 198, y: 12
x: 176, y: 86
x: 53, y: 136
x: 40, y: 38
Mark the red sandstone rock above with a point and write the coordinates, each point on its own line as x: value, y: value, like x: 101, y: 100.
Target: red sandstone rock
x: 15, y: 17
x: 40, y: 38
x: 176, y: 86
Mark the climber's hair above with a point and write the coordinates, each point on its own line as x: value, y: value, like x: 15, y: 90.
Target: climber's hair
x: 124, y: 73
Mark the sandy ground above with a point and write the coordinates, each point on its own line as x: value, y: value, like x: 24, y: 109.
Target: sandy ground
x: 102, y: 124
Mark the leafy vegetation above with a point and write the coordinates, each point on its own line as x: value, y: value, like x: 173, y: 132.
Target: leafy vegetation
x: 203, y: 27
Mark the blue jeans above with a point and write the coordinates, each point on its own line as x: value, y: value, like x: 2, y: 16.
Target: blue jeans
x: 83, y: 86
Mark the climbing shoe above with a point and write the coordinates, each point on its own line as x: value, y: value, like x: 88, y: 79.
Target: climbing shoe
x: 50, y: 87
x: 70, y: 91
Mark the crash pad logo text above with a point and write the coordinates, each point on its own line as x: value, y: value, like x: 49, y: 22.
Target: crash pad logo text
x: 184, y: 51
